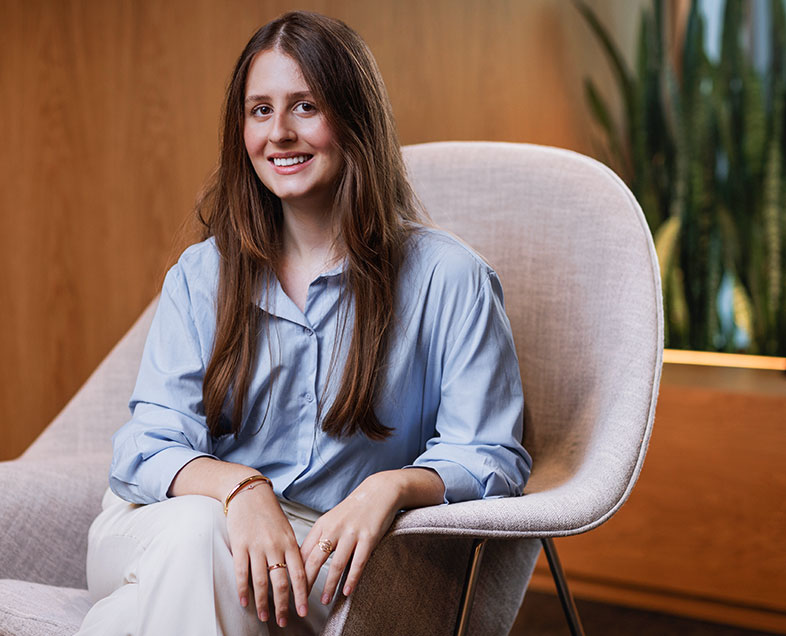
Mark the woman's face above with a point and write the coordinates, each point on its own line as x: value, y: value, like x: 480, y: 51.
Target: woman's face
x: 291, y: 146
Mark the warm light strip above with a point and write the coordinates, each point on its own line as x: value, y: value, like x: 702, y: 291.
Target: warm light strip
x: 709, y: 358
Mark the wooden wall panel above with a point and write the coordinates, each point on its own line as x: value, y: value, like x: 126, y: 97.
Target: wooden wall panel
x: 109, y: 116
x: 108, y: 127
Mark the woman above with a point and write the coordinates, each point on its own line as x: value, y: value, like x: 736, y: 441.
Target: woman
x: 319, y: 362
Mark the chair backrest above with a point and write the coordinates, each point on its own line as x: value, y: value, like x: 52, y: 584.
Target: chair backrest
x: 582, y: 291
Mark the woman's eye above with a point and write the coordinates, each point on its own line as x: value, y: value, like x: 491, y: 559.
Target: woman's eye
x: 260, y: 110
x: 305, y: 107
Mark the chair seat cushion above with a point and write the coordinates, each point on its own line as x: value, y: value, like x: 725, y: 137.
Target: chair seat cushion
x: 33, y: 609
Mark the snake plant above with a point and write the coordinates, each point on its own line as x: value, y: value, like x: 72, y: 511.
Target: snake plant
x: 701, y: 145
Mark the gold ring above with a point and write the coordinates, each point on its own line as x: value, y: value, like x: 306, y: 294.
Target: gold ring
x: 326, y: 546
x: 275, y: 566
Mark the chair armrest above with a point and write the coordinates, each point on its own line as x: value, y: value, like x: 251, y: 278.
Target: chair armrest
x: 551, y: 507
x: 46, y: 508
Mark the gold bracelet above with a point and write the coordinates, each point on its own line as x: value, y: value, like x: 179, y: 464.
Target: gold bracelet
x: 242, y: 485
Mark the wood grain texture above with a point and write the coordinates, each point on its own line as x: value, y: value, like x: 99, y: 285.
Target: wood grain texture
x: 702, y: 534
x: 109, y: 115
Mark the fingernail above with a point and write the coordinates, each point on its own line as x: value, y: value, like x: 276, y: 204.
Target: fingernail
x: 302, y: 610
x: 325, y: 599
x: 263, y: 617
x: 347, y: 590
x: 282, y: 622
x: 243, y: 601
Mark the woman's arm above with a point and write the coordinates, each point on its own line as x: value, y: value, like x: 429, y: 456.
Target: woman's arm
x: 476, y: 447
x: 259, y: 534
x: 356, y: 525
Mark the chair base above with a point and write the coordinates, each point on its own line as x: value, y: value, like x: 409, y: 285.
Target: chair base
x: 470, y: 585
x: 563, y: 591
x: 560, y: 582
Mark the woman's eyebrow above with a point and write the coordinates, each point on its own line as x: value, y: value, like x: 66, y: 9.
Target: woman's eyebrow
x: 290, y: 96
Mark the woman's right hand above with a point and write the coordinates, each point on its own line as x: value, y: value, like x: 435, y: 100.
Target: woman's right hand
x: 260, y: 536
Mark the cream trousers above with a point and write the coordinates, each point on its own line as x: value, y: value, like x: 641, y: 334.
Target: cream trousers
x: 165, y: 569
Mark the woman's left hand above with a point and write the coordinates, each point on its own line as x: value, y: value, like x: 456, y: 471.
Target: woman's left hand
x: 354, y: 527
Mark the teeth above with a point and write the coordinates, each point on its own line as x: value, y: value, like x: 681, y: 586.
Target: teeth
x: 289, y: 161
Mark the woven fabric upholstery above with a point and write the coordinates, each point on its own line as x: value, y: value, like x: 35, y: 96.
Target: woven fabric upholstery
x: 583, y: 295
x: 582, y: 291
x: 413, y: 585
x: 33, y: 609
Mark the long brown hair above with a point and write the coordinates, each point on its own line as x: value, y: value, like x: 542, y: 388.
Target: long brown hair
x: 373, y: 199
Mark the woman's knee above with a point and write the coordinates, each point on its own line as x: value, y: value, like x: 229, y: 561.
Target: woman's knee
x: 183, y: 528
x: 193, y: 522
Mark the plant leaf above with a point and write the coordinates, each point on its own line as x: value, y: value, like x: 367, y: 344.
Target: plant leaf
x: 621, y: 72
x: 600, y: 112
x: 666, y: 244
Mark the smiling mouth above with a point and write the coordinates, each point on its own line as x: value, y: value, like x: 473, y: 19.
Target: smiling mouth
x: 289, y: 161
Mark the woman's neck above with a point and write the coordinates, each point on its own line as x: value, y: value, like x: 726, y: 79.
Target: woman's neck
x: 309, y: 240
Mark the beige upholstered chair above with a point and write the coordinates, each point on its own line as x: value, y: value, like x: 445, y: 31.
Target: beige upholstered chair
x: 582, y: 291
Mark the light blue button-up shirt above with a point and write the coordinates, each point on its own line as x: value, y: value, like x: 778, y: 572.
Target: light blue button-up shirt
x: 451, y: 391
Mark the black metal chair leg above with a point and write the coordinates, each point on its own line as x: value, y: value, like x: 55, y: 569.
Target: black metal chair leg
x: 470, y: 584
x: 565, y: 597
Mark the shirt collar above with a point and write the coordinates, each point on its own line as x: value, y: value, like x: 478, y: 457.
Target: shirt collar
x: 275, y: 301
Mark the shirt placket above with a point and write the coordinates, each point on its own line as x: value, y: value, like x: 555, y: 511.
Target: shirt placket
x: 321, y: 297
x: 309, y: 396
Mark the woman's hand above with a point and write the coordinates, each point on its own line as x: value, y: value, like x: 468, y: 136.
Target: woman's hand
x: 354, y: 527
x: 260, y: 536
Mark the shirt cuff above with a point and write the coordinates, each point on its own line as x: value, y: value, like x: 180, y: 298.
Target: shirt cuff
x: 155, y: 476
x: 460, y: 484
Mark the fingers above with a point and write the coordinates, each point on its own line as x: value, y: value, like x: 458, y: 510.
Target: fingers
x: 240, y: 559
x: 297, y: 576
x: 259, y: 575
x: 275, y: 581
x: 306, y: 555
x: 310, y: 541
x: 316, y: 558
x: 343, y: 552
x: 279, y: 583
x: 359, y: 559
x: 282, y: 572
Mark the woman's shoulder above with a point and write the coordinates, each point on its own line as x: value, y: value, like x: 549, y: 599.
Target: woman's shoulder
x: 444, y: 279
x: 197, y: 268
x: 434, y: 252
x: 200, y: 257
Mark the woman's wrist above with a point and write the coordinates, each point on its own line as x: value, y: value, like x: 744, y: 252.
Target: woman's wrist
x: 249, y: 483
x: 409, y: 487
x: 209, y: 477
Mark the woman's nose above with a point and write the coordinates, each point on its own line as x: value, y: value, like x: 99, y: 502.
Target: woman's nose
x: 282, y: 129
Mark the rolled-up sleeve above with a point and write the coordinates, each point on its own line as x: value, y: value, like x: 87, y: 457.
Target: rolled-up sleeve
x: 167, y: 428
x: 477, y: 450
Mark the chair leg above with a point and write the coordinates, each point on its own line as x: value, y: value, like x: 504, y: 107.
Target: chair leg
x: 470, y: 584
x: 565, y: 597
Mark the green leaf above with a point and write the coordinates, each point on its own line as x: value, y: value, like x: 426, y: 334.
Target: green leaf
x: 772, y: 229
x: 692, y: 54
x: 600, y: 112
x: 743, y: 308
x: 679, y: 314
x: 754, y: 121
x: 621, y: 72
x: 666, y: 244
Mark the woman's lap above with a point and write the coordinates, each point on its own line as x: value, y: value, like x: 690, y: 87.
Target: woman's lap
x: 168, y: 566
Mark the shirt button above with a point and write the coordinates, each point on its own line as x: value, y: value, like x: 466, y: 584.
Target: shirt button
x: 309, y: 332
x: 309, y: 397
